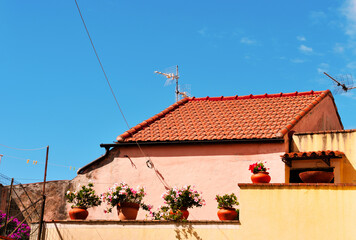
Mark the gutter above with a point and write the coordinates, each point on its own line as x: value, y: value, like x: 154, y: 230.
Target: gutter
x: 195, y: 142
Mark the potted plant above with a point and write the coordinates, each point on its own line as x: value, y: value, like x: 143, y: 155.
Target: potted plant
x: 126, y: 199
x: 82, y: 200
x: 177, y: 201
x: 165, y: 213
x: 225, y: 206
x: 260, y: 174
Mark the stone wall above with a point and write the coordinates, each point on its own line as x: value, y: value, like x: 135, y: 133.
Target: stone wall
x: 25, y: 195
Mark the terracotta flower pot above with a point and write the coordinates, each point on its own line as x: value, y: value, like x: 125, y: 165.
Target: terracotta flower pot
x: 127, y: 210
x: 78, y: 213
x: 227, y: 214
x: 185, y: 213
x: 261, y: 177
x: 316, y: 176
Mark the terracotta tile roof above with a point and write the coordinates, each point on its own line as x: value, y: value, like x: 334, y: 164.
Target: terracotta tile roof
x: 327, y: 153
x: 226, y: 118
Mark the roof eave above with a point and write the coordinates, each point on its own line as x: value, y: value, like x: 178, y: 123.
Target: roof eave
x: 222, y: 141
x: 82, y: 169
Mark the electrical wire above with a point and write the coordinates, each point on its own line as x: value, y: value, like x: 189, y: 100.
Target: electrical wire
x: 101, y: 65
x: 38, y: 162
x: 117, y: 103
x: 20, y: 149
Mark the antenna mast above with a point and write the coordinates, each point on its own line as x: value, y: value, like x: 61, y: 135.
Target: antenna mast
x: 172, y: 77
x: 340, y: 83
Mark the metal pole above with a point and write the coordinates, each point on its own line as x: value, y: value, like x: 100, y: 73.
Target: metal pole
x: 44, y: 197
x: 177, y: 91
x: 8, y: 207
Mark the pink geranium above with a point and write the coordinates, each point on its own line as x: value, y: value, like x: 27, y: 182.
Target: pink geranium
x: 121, y: 193
x: 258, y: 167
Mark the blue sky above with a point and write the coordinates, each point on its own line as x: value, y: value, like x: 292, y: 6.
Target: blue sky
x: 54, y: 93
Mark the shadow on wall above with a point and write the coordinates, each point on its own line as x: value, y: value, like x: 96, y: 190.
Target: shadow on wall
x: 349, y: 171
x: 186, y: 231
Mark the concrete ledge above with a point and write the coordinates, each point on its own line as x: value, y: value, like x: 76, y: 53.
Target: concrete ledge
x: 112, y: 229
x: 295, y: 185
x: 145, y: 222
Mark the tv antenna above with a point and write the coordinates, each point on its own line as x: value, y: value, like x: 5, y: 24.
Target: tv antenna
x: 345, y: 82
x: 171, y: 76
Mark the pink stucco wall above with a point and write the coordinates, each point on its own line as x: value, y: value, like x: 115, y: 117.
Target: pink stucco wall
x: 213, y: 169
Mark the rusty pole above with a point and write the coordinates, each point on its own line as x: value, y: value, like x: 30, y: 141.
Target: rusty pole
x: 43, y: 196
x: 8, y: 207
x: 177, y: 89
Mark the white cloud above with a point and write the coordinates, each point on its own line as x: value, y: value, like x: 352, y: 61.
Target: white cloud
x: 248, y: 41
x: 203, y: 31
x: 301, y: 38
x: 349, y: 11
x: 348, y: 94
x: 297, y: 60
x: 247, y: 57
x: 323, y: 67
x: 339, y: 48
x: 351, y: 65
x: 305, y: 49
x: 317, y: 17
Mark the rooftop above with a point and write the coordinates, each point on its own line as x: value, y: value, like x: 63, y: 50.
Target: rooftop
x: 264, y: 116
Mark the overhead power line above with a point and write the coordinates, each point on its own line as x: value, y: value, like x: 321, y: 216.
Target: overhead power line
x: 20, y: 149
x: 35, y: 162
x: 149, y: 161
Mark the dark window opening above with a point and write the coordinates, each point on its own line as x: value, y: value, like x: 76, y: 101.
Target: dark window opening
x: 294, y: 173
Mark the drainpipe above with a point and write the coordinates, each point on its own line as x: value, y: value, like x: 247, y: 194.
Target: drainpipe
x: 288, y: 141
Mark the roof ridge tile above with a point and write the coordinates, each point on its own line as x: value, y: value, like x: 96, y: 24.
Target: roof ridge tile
x: 251, y: 96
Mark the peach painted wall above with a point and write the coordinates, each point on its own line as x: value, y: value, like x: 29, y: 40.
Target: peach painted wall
x: 213, y: 169
x: 322, y: 117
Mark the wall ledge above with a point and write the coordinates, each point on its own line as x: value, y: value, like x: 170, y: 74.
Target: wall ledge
x: 295, y: 185
x: 145, y: 222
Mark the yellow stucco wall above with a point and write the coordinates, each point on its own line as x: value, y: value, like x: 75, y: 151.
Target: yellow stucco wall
x: 298, y: 212
x: 267, y: 211
x: 344, y: 141
x: 140, y: 230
